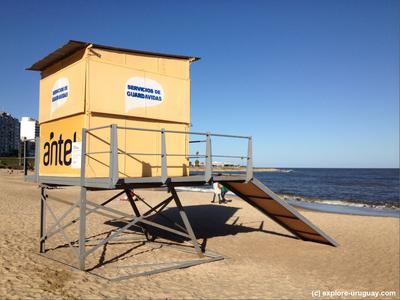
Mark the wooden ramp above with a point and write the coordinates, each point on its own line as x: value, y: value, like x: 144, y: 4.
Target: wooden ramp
x: 266, y: 201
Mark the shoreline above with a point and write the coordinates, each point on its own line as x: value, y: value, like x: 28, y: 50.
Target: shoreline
x: 240, y: 169
x: 346, y: 209
x: 318, y: 205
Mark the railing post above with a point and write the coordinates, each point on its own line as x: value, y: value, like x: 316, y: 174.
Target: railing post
x: 113, y: 175
x: 249, y: 167
x: 164, y: 170
x: 37, y: 158
x: 83, y: 157
x: 208, y: 169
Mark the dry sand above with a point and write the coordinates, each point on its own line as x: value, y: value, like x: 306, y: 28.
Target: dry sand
x: 264, y: 261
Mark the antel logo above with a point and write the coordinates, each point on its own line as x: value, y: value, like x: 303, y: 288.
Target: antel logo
x: 142, y: 92
x: 59, y: 94
x: 58, y: 152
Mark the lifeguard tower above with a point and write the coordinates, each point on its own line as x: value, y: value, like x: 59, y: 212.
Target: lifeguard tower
x: 118, y: 119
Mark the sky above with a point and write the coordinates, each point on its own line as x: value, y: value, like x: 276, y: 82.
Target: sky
x: 315, y: 83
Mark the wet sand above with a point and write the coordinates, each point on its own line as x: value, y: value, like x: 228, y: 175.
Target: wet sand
x: 263, y: 261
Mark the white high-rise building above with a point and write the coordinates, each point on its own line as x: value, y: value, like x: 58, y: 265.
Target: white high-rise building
x: 29, y: 128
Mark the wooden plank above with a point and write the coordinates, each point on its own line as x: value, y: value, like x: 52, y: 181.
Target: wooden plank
x: 279, y: 210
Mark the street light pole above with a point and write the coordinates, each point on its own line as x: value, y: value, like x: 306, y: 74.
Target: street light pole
x: 25, y: 161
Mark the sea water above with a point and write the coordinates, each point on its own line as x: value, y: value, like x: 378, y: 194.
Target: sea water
x: 354, y: 191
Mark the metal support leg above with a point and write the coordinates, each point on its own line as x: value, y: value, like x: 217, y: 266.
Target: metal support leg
x: 186, y: 222
x: 42, y: 220
x: 140, y: 219
x: 82, y: 229
x: 137, y: 212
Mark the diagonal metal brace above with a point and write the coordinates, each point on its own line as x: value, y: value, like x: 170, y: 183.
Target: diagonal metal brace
x: 116, y: 233
x: 89, y: 211
x: 51, y: 230
x: 66, y: 238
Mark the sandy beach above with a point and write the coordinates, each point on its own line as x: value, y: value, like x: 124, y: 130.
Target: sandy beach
x: 263, y: 260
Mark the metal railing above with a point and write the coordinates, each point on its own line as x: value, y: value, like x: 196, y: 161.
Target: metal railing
x: 114, y: 152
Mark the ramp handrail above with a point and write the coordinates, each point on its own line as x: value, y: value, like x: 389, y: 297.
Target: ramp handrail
x: 114, y: 152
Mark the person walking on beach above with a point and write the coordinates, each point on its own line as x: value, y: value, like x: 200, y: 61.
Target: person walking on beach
x: 217, y: 192
x: 224, y: 190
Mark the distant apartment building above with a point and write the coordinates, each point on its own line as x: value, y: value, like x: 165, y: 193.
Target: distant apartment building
x: 9, y: 135
x: 29, y: 128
